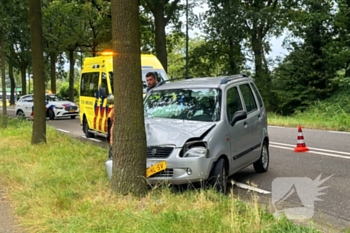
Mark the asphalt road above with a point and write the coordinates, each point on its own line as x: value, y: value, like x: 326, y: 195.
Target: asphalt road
x: 328, y: 155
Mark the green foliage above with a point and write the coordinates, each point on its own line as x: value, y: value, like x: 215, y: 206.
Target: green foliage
x: 64, y: 90
x: 308, y: 73
x: 331, y: 114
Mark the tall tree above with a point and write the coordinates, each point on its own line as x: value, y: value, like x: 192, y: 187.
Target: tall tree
x: 13, y: 83
x: 307, y: 73
x: 225, y: 33
x: 39, y: 122
x: 262, y: 20
x: 129, y: 140
x: 3, y: 77
x: 163, y: 12
x: 342, y: 26
x: 18, y: 43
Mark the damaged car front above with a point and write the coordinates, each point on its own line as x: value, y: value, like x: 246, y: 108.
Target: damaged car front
x: 180, y: 125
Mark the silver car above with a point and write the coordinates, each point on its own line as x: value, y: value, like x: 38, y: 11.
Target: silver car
x: 204, y: 129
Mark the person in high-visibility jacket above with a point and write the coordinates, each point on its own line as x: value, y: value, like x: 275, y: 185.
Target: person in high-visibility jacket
x: 111, y: 116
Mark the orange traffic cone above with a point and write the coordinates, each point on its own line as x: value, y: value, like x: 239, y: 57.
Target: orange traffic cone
x: 301, y: 146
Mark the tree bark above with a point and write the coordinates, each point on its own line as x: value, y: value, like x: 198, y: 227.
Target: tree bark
x: 3, y: 76
x: 13, y: 84
x: 53, y: 59
x: 24, y: 78
x: 71, y: 75
x: 160, y: 37
x: 129, y: 142
x: 39, y: 121
x: 162, y: 12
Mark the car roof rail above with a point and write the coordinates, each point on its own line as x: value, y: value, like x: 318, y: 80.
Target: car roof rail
x: 232, y: 77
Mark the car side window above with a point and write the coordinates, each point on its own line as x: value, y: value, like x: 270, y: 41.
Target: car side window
x: 257, y: 95
x: 248, y: 97
x: 233, y: 102
x: 27, y: 99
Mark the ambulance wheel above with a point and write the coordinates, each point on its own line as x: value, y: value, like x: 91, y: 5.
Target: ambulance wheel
x: 86, y: 129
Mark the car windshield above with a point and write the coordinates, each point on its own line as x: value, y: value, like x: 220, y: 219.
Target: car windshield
x: 53, y: 98
x: 185, y: 104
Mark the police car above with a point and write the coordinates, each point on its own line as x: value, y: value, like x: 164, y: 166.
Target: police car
x: 56, y: 107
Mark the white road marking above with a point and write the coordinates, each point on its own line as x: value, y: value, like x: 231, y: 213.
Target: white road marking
x: 272, y: 126
x: 331, y: 155
x: 245, y: 186
x: 62, y: 130
x: 339, y: 132
x: 318, y: 150
x: 313, y: 148
x: 282, y: 147
x: 92, y: 139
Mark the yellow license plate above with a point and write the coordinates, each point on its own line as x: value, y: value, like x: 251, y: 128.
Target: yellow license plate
x: 155, y: 168
x: 71, y: 110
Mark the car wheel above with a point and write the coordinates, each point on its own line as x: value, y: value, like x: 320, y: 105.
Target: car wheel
x: 72, y: 117
x: 218, y: 176
x: 86, y: 129
x: 20, y: 114
x: 51, y: 114
x: 262, y: 164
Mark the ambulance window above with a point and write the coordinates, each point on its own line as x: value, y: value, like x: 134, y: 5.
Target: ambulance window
x: 89, y: 84
x: 104, y: 81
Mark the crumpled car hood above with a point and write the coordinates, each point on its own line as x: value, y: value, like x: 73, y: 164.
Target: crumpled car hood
x: 160, y: 131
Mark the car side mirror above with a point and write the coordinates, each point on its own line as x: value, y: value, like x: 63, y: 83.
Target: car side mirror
x: 237, y: 116
x: 103, y: 92
x: 110, y: 99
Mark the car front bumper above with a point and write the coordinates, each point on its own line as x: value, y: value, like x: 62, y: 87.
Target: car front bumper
x: 178, y: 170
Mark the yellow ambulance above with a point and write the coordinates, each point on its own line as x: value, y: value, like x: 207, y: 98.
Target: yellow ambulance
x: 96, y: 84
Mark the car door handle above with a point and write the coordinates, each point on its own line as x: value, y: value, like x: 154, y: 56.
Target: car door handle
x: 245, y: 124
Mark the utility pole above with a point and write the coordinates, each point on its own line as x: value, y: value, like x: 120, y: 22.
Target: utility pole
x: 186, y: 38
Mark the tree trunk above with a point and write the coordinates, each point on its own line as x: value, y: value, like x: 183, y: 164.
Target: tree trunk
x: 3, y: 77
x: 39, y: 121
x: 53, y: 59
x: 260, y: 72
x: 234, y: 49
x: 24, y: 79
x: 13, y: 84
x: 71, y: 75
x: 160, y: 36
x: 129, y: 142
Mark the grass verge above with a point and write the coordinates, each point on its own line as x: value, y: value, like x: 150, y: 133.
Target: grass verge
x: 330, y: 114
x: 62, y: 186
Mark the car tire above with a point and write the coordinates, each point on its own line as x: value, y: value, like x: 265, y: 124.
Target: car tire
x: 218, y: 176
x: 72, y: 117
x: 20, y: 114
x: 86, y: 129
x: 262, y: 165
x: 51, y: 114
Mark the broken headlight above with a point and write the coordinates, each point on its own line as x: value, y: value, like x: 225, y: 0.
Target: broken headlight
x: 196, y: 152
